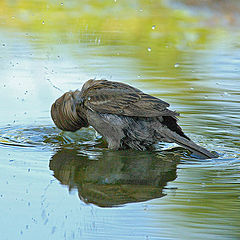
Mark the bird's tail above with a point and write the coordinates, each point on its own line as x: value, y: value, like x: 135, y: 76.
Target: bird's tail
x: 186, y: 142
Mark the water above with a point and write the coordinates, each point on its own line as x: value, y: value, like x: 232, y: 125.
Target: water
x: 57, y: 185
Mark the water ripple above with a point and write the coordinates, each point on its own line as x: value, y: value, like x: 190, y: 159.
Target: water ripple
x: 39, y: 136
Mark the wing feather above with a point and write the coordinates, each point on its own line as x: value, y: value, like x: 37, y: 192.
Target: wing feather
x: 118, y: 98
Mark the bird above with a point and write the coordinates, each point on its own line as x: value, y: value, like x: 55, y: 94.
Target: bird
x: 126, y: 117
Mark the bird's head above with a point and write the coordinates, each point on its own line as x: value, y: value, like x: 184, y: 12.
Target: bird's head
x: 67, y: 113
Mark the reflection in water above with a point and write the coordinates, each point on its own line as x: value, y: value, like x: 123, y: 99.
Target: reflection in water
x: 116, y: 177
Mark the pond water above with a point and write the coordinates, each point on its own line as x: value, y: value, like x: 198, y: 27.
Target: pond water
x: 60, y: 185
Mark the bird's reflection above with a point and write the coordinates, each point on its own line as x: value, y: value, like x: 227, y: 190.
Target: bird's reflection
x: 115, y: 178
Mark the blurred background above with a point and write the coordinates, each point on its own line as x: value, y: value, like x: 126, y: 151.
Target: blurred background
x: 57, y: 185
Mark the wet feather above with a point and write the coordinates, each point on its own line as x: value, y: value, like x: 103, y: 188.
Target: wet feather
x: 125, y: 116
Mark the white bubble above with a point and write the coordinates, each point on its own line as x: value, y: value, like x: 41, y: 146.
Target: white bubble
x: 149, y: 49
x: 176, y: 65
x: 153, y: 27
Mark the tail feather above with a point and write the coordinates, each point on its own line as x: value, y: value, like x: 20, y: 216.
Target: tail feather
x: 187, y: 143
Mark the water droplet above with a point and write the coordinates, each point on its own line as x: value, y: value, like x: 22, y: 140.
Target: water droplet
x: 54, y: 229
x: 149, y: 49
x: 176, y: 65
x: 3, y: 45
x: 140, y: 10
x: 115, y: 0
x: 43, y: 22
x: 153, y: 27
x: 192, y: 88
x: 61, y: 4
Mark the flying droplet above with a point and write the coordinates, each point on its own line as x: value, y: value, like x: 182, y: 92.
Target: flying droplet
x: 149, y: 49
x: 153, y: 27
x: 176, y: 65
x: 61, y: 4
x: 43, y: 22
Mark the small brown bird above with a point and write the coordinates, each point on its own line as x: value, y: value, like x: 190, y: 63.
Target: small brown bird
x: 125, y: 116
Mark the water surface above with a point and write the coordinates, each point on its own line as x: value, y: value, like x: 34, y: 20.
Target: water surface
x: 59, y: 185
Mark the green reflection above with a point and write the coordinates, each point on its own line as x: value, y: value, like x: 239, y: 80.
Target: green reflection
x: 206, y: 201
x: 154, y: 33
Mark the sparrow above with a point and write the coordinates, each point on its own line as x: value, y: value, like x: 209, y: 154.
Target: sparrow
x: 125, y: 116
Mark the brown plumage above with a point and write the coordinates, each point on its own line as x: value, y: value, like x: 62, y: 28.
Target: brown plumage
x: 125, y: 116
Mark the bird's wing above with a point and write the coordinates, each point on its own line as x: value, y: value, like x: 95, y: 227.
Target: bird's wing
x: 118, y: 98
